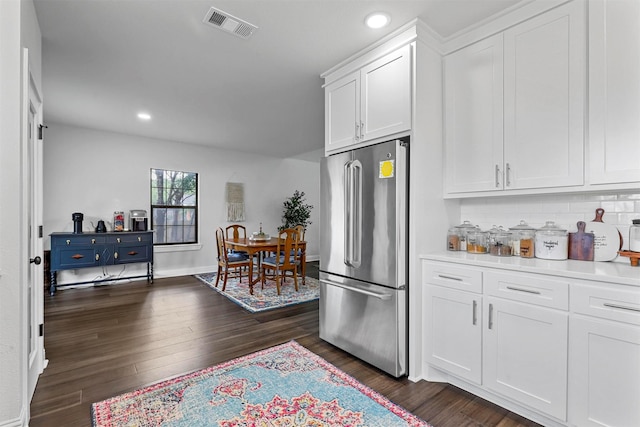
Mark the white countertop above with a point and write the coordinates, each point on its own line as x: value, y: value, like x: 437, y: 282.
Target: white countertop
x: 612, y: 272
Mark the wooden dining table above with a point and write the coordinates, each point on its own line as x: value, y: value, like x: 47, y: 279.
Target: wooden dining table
x: 258, y: 247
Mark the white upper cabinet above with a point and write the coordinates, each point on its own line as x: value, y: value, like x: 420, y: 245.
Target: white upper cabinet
x: 514, y: 107
x: 370, y: 103
x: 342, y: 112
x: 544, y: 81
x: 614, y: 91
x: 385, y: 95
x: 473, y: 117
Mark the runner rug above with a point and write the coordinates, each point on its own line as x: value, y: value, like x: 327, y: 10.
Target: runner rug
x: 286, y: 385
x: 267, y: 298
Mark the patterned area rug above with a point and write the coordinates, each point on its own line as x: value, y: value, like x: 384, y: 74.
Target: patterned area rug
x: 286, y: 385
x: 267, y: 298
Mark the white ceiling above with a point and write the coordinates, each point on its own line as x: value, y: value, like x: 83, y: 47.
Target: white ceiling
x: 106, y: 60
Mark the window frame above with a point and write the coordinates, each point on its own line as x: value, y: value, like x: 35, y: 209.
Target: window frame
x: 184, y: 207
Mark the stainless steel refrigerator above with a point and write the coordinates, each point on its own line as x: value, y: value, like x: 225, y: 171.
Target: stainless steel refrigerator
x: 363, y: 253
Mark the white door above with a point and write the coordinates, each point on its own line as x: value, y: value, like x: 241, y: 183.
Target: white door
x: 342, y: 112
x: 32, y: 157
x: 473, y: 117
x: 605, y: 368
x: 453, y: 321
x: 525, y: 354
x: 544, y: 92
x: 614, y: 91
x: 385, y: 98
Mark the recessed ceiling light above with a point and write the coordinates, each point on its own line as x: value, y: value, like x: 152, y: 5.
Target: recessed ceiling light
x: 144, y: 116
x: 377, y: 20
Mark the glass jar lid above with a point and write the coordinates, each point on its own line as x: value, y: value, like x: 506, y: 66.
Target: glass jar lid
x: 551, y: 227
x: 521, y: 226
x: 466, y: 225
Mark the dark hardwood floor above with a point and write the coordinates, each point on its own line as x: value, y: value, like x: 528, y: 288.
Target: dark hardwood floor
x: 108, y: 340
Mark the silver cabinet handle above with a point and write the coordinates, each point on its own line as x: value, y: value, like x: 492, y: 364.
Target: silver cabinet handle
x: 621, y: 307
x: 115, y: 255
x: 442, y: 276
x: 118, y: 239
x: 497, y: 176
x: 508, y: 171
x: 139, y: 239
x: 529, y: 291
x: 97, y: 257
x: 475, y: 312
x: 490, y: 316
x: 93, y: 241
x: 358, y: 291
x: 68, y: 242
x: 361, y: 130
x: 357, y: 131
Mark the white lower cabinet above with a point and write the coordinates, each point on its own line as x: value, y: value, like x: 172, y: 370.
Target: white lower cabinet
x: 605, y: 356
x: 525, y: 354
x: 504, y: 333
x: 455, y: 331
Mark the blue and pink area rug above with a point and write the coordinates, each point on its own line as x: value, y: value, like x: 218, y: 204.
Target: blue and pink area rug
x: 286, y: 385
x: 267, y: 298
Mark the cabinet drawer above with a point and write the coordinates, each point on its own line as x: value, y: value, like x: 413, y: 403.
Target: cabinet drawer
x: 529, y: 288
x: 130, y: 238
x: 76, y: 240
x: 614, y: 304
x: 132, y: 253
x: 452, y: 276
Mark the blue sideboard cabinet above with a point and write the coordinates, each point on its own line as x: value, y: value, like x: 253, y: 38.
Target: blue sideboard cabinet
x: 70, y: 251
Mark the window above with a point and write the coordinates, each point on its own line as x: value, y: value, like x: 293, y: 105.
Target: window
x: 174, y: 206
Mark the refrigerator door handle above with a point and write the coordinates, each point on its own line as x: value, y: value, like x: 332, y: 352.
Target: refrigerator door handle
x: 356, y: 215
x: 357, y: 290
x: 347, y: 214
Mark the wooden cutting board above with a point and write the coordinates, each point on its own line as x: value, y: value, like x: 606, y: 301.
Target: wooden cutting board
x: 581, y: 244
x: 607, y: 240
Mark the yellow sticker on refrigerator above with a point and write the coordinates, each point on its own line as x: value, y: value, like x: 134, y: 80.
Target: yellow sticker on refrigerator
x: 386, y: 169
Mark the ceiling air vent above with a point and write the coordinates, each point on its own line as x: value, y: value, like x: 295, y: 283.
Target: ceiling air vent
x: 229, y: 23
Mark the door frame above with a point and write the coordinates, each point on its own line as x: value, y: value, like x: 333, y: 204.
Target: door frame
x: 32, y: 206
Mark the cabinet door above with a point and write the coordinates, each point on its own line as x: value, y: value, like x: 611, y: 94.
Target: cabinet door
x: 454, y: 332
x: 386, y: 95
x: 132, y: 248
x: 605, y: 373
x: 614, y: 91
x: 525, y: 354
x: 342, y: 112
x: 473, y: 117
x: 544, y: 75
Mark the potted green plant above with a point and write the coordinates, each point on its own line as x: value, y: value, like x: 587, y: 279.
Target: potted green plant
x: 295, y: 211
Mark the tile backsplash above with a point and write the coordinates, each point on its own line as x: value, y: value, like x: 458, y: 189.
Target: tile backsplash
x: 564, y: 209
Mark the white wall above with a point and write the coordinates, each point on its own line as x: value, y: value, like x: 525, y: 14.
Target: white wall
x: 97, y: 173
x: 565, y: 209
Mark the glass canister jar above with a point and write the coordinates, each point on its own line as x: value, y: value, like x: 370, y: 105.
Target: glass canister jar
x: 453, y: 239
x: 551, y: 242
x: 522, y: 231
x: 634, y: 235
x: 493, y: 231
x: 457, y: 236
x: 477, y: 242
x: 501, y: 244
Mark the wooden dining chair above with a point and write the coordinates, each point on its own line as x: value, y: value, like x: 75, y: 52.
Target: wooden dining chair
x: 303, y: 271
x: 285, y: 260
x: 229, y: 262
x: 236, y: 231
